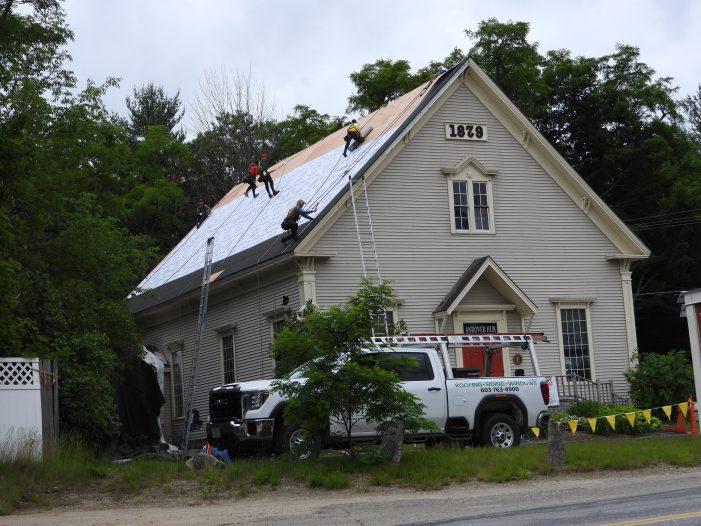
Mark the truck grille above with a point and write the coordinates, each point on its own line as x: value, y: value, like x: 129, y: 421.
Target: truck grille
x: 225, y: 405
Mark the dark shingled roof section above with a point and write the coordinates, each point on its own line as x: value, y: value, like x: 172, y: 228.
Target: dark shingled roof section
x: 263, y: 251
x: 460, y: 284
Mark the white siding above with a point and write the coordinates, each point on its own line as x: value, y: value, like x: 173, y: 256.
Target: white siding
x: 543, y: 241
x: 246, y: 311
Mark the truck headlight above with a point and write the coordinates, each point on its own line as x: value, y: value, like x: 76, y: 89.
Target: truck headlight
x: 256, y: 400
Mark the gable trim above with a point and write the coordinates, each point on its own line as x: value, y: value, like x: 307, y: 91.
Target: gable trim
x: 553, y: 163
x: 469, y: 160
x: 425, y: 109
x: 486, y: 268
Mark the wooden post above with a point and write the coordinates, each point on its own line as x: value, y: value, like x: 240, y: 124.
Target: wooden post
x: 556, y: 446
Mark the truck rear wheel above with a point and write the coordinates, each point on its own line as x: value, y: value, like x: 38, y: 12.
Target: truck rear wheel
x: 500, y: 430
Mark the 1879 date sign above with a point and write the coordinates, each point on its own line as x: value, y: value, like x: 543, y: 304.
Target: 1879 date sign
x: 465, y: 131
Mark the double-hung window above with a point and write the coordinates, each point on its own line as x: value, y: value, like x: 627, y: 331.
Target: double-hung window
x: 383, y: 321
x: 471, y: 210
x: 228, y: 358
x: 176, y: 362
x: 575, y: 337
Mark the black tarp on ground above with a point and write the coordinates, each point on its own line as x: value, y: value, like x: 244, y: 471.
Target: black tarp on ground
x: 139, y: 401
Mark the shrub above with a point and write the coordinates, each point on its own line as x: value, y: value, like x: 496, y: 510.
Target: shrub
x: 661, y: 379
x: 589, y: 409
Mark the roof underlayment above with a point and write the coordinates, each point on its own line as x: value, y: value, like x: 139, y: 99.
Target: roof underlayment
x: 318, y: 174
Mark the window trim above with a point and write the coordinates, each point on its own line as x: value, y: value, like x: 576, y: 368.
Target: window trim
x: 394, y: 310
x: 273, y: 321
x: 470, y: 174
x: 177, y: 349
x: 571, y: 305
x: 477, y: 315
x: 222, y: 335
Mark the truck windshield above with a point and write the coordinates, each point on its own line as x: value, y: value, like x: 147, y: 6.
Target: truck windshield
x: 301, y: 372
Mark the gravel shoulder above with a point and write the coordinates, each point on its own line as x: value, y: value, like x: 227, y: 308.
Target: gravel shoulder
x: 294, y: 505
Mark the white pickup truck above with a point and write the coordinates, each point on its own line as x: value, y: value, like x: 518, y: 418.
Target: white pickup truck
x: 487, y: 410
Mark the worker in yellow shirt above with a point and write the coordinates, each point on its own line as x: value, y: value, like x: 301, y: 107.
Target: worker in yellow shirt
x: 353, y: 133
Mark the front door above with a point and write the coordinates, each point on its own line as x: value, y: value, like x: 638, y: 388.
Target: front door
x: 475, y: 357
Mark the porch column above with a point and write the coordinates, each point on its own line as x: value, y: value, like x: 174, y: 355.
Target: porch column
x: 692, y: 306
x: 306, y: 278
x: 628, y: 308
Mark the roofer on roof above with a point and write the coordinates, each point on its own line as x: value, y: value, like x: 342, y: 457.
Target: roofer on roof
x: 290, y: 221
x: 353, y: 133
x: 251, y: 179
x: 203, y: 212
x: 264, y: 175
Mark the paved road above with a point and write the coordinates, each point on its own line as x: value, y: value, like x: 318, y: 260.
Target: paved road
x: 660, y: 496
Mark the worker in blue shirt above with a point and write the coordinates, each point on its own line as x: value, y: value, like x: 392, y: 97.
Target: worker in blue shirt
x: 290, y: 221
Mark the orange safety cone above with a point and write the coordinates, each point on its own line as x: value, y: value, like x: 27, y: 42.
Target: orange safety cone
x: 207, y: 447
x: 694, y: 424
x: 681, y: 422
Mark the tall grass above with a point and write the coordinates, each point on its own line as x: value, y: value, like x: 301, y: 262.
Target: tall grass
x: 25, y: 482
x: 25, y: 479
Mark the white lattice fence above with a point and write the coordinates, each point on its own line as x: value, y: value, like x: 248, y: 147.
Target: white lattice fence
x: 20, y: 408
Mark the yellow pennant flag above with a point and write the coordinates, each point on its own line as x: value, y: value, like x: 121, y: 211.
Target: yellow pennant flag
x: 592, y: 424
x: 573, y: 425
x: 631, y: 418
x: 647, y: 413
x: 612, y: 421
x: 536, y: 431
x: 684, y: 408
x: 667, y: 411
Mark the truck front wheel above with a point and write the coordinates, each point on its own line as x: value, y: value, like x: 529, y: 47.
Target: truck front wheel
x: 294, y: 439
x: 500, y: 430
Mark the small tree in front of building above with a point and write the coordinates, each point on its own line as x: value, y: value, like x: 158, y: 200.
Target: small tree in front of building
x: 343, y: 384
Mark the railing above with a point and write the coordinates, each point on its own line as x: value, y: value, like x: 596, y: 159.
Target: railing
x: 572, y: 389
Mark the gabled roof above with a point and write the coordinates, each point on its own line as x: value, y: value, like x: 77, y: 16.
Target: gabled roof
x: 486, y: 268
x: 247, y: 230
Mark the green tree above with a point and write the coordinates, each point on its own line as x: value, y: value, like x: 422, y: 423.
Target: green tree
x: 619, y: 126
x: 302, y: 129
x: 151, y: 106
x: 661, y: 379
x: 384, y: 80
x: 221, y: 154
x: 155, y: 204
x: 343, y: 384
x: 67, y: 261
x: 379, y: 83
x: 503, y: 51
x: 691, y: 105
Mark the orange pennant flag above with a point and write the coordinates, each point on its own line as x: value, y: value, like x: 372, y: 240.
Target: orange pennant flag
x: 684, y: 407
x: 573, y: 425
x: 647, y: 413
x: 536, y: 431
x: 667, y: 411
x: 612, y: 421
x: 631, y: 418
x: 592, y: 424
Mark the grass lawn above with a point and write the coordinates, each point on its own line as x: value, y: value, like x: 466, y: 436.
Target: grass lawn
x: 73, y: 471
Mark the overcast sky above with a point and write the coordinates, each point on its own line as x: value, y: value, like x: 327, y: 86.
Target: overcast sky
x: 303, y: 51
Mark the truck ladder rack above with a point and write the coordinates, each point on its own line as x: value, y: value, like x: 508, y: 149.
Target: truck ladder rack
x: 444, y: 341
x: 459, y: 340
